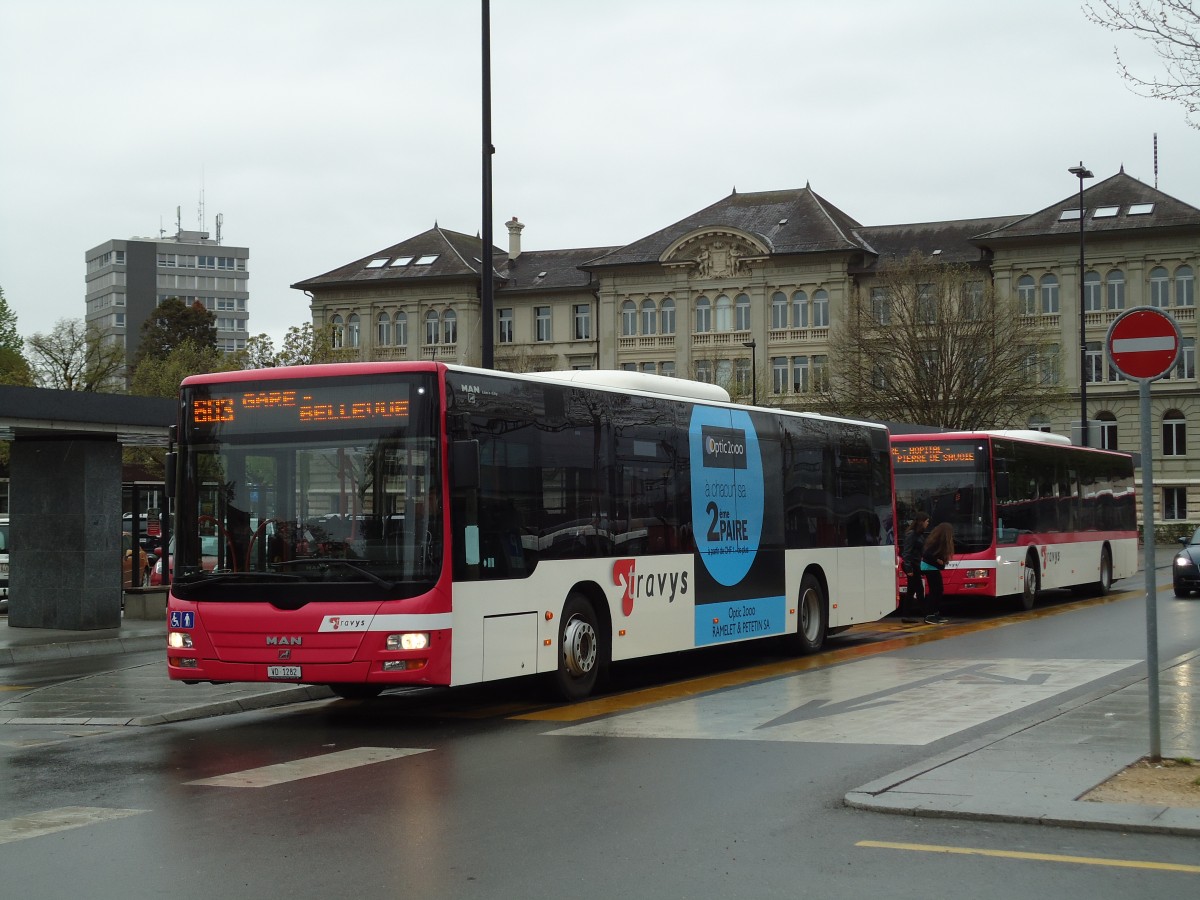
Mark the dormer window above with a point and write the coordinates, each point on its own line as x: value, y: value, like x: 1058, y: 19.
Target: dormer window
x: 377, y: 263
x: 1068, y: 215
x: 1105, y: 212
x: 426, y: 259
x: 1140, y: 209
x: 401, y: 261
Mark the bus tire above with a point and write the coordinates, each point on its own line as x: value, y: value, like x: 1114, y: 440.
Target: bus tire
x: 1032, y: 583
x: 812, y: 617
x: 580, y: 655
x: 1104, y: 585
x: 357, y: 691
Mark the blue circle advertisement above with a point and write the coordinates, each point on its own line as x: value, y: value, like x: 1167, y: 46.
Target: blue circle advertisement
x: 727, y: 491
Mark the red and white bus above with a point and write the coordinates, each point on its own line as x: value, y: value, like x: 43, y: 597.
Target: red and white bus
x: 1030, y: 511
x: 381, y: 524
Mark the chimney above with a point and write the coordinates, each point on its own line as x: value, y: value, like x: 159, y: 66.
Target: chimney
x: 514, y: 238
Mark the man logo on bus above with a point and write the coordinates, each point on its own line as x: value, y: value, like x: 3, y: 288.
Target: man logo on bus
x: 656, y: 584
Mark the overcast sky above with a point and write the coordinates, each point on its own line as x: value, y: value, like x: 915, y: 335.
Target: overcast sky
x: 326, y: 131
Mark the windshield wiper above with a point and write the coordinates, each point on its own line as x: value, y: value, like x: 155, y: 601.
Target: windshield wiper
x: 206, y: 578
x: 323, y: 563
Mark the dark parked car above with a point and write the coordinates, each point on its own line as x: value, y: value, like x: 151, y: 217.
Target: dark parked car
x: 1185, y: 574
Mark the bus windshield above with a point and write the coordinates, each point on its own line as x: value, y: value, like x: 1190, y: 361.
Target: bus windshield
x: 335, y: 484
x: 950, y: 481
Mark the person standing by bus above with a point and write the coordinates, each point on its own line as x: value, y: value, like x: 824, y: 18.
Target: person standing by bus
x: 939, y: 550
x: 910, y: 559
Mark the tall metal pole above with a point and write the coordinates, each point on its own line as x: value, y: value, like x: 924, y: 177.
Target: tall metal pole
x: 487, y: 284
x: 753, y: 347
x: 1149, y: 572
x: 1081, y: 172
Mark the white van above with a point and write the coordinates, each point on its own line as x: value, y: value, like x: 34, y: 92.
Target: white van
x: 4, y: 564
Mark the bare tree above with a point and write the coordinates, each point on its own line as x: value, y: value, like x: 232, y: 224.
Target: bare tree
x: 75, y: 357
x: 933, y: 344
x: 1173, y: 28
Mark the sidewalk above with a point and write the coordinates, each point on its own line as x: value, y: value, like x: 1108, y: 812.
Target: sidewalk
x: 1031, y: 773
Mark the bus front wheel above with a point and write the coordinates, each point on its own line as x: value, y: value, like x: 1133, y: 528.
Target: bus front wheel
x: 1032, y: 583
x: 1104, y: 585
x: 812, y: 619
x: 580, y: 656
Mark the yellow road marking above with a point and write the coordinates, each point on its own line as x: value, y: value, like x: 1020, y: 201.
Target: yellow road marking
x: 14, y: 687
x: 1039, y: 857
x: 906, y: 636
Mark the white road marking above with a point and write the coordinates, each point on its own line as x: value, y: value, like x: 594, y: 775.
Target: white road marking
x: 63, y: 819
x: 887, y: 700
x: 311, y: 767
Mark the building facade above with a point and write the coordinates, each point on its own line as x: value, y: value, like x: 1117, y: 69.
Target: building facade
x: 128, y: 279
x: 745, y: 293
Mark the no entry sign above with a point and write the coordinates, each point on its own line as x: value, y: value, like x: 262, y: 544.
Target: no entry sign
x: 1143, y: 343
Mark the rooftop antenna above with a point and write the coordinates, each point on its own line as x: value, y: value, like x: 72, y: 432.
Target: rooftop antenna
x: 178, y: 220
x: 1156, y: 160
x: 220, y: 222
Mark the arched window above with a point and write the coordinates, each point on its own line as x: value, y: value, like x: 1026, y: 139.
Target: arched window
x: 337, y: 332
x: 1185, y: 287
x: 724, y: 321
x: 628, y: 318
x: 1092, y: 295
x: 1116, y: 289
x: 401, y: 323
x: 383, y: 330
x: 1049, y: 285
x: 1160, y: 288
x: 703, y: 317
x: 431, y: 327
x: 450, y: 327
x: 649, y: 317
x: 353, y: 331
x: 1027, y: 295
x: 820, y: 309
x: 667, y: 316
x: 1108, y: 430
x: 779, y: 310
x: 1174, y: 433
x: 799, y: 310
x: 741, y: 313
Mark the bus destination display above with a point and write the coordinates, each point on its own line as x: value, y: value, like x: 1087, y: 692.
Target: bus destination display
x: 935, y: 453
x: 298, y: 409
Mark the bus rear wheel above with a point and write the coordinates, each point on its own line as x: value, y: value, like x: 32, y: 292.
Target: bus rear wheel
x: 1104, y: 585
x: 1032, y: 583
x: 580, y: 654
x: 812, y: 617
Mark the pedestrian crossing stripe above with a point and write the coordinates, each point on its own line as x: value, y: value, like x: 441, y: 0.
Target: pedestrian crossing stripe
x: 325, y: 764
x: 20, y: 828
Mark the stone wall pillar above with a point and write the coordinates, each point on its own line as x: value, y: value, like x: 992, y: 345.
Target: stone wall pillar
x: 65, y: 524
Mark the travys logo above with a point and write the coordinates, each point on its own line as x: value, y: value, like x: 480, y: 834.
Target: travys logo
x: 646, y: 585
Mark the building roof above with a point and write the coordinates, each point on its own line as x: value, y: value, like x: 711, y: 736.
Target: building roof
x: 1120, y: 203
x: 949, y: 242
x: 550, y: 269
x: 436, y: 253
x: 791, y: 221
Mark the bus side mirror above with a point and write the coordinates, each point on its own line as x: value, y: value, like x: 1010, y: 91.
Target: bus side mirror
x: 464, y: 465
x: 1001, y: 485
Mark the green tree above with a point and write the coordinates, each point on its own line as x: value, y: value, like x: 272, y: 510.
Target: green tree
x: 77, y: 357
x: 161, y: 377
x: 173, y: 324
x: 1173, y: 28
x: 10, y: 338
x: 933, y: 344
x: 303, y: 345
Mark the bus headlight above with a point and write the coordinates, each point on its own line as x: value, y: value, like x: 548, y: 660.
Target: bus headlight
x: 410, y: 640
x: 976, y: 573
x: 179, y: 640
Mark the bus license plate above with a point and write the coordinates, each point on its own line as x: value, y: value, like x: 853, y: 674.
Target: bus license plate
x: 283, y: 671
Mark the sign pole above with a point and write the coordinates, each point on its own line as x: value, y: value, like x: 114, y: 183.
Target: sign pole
x: 1143, y: 345
x: 1148, y: 566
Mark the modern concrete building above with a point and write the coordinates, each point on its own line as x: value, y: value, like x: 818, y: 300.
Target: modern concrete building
x: 770, y: 273
x: 127, y: 279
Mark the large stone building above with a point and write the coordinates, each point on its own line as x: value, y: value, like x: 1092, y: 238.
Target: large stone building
x: 769, y: 273
x: 127, y: 279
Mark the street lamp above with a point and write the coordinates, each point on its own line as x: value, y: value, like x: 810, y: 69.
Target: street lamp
x: 753, y: 346
x: 1081, y: 172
